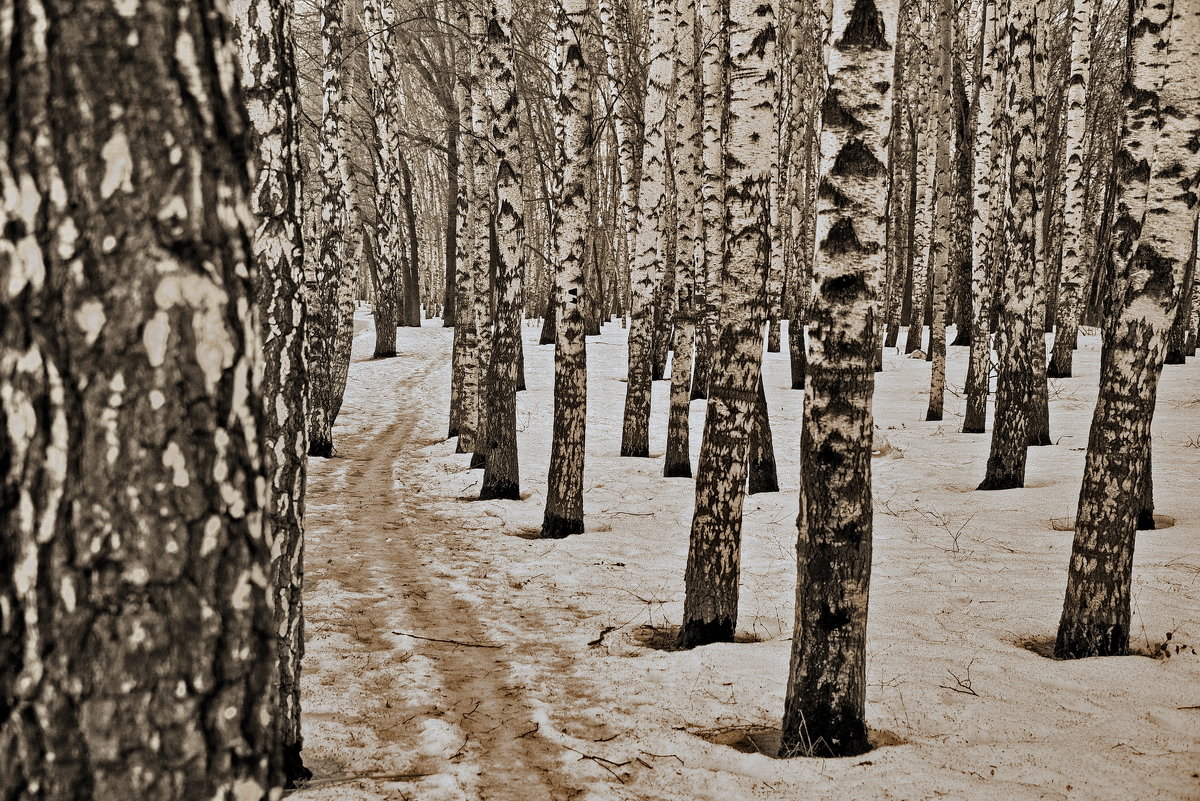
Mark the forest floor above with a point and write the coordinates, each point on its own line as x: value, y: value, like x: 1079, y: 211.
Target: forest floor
x: 451, y: 655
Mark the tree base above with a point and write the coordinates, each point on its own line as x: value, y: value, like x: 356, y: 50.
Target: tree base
x: 322, y: 449
x: 677, y: 470
x: 557, y: 528
x: 843, y: 739
x: 1175, y: 357
x: 933, y: 417
x: 1088, y: 640
x: 636, y: 453
x: 973, y: 429
x: 452, y: 432
x: 478, y: 461
x: 798, y: 384
x: 694, y: 633
x: 1001, y: 483
x: 1145, y: 521
x: 1053, y: 372
x: 698, y: 394
x: 384, y: 354
x: 763, y: 478
x: 293, y: 767
x: 500, y: 491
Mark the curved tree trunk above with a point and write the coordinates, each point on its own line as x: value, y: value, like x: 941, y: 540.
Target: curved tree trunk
x: 1164, y: 74
x: 137, y: 633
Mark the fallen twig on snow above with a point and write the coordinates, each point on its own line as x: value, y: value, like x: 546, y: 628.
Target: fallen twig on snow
x: 448, y: 642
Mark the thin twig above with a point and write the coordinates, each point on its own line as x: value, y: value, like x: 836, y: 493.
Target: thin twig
x: 449, y: 642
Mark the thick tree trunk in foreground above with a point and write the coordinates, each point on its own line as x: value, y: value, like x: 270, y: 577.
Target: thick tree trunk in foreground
x: 824, y: 711
x: 269, y: 85
x: 1160, y: 160
x: 137, y: 637
x: 501, y: 477
x: 710, y: 605
x: 573, y: 109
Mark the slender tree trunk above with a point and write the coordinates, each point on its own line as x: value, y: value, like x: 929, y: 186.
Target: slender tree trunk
x: 1164, y: 73
x: 377, y: 21
x: 714, y: 34
x: 989, y: 185
x: 648, y: 263
x: 332, y: 273
x: 824, y: 709
x: 464, y: 387
x: 762, y: 473
x: 687, y: 165
x: 710, y: 604
x: 573, y: 110
x: 137, y: 631
x: 943, y: 183
x: 1074, y: 267
x: 501, y: 478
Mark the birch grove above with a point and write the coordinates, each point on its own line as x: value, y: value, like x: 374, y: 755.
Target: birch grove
x: 415, y: 364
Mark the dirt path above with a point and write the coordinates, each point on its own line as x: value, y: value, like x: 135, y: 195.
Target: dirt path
x: 444, y: 712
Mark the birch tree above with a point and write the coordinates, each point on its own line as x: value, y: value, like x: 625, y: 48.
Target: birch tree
x: 687, y: 164
x: 710, y: 604
x: 989, y: 182
x: 379, y: 20
x: 824, y: 711
x: 501, y: 478
x: 1073, y: 249
x: 137, y: 634
x: 330, y: 297
x: 1157, y: 208
x: 1009, y: 444
x: 264, y: 34
x: 573, y: 108
x: 648, y: 264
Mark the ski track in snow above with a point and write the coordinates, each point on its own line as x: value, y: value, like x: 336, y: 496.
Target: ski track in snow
x: 532, y: 701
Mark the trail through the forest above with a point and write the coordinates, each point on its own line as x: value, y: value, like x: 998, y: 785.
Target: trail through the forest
x: 396, y: 565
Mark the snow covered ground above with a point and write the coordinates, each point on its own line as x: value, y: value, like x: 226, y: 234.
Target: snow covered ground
x: 452, y: 656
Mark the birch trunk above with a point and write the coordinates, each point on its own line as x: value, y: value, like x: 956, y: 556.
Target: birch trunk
x: 264, y: 33
x: 824, y: 712
x: 333, y: 276
x: 648, y: 263
x: 943, y: 183
x: 501, y: 477
x: 710, y: 604
x: 687, y: 164
x: 1009, y: 445
x: 1158, y: 186
x: 573, y: 110
x: 137, y: 631
x: 378, y: 20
